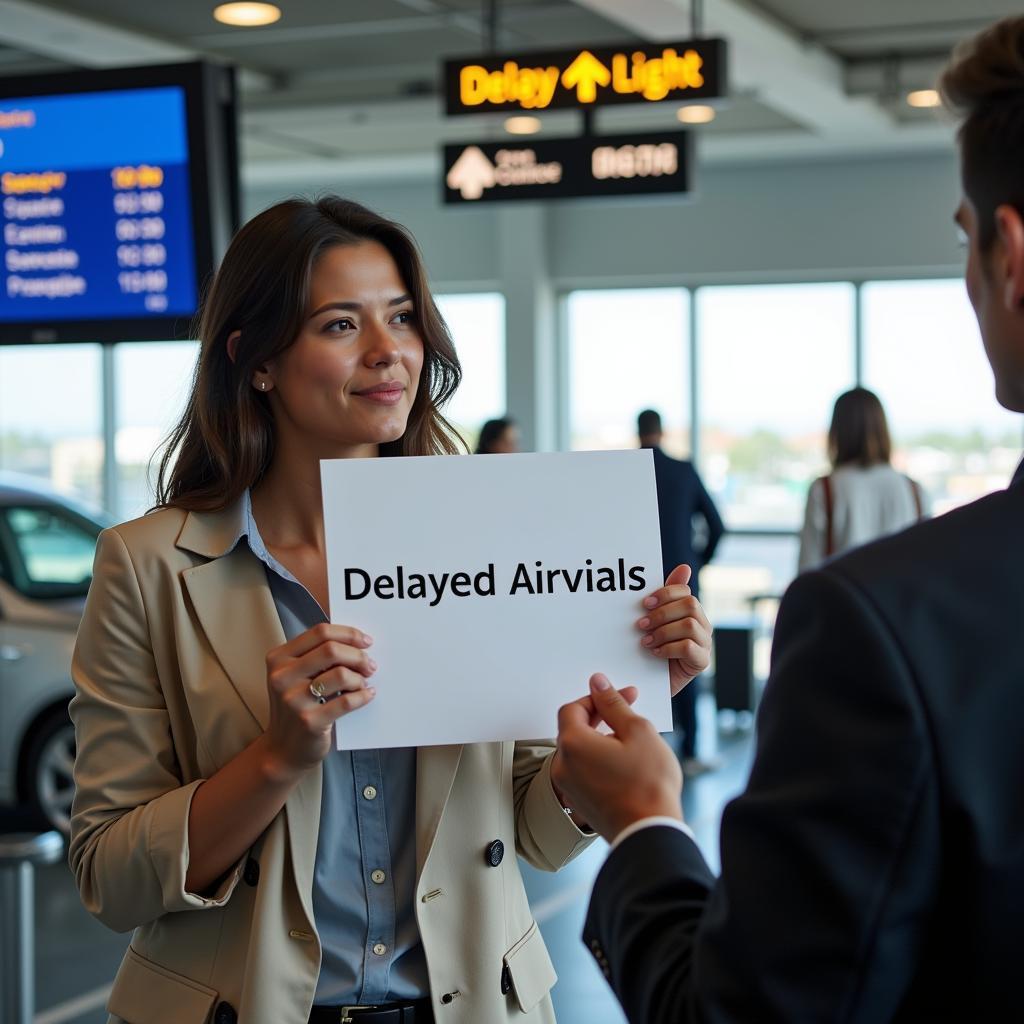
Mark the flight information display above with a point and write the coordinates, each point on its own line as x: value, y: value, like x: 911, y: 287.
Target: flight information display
x: 95, y: 207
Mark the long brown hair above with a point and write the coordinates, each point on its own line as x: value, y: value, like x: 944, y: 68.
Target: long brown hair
x: 859, y: 433
x: 224, y: 441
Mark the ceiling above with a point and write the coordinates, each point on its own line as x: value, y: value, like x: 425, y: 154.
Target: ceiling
x: 352, y: 87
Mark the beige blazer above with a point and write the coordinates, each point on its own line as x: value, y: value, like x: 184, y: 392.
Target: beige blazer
x: 170, y: 684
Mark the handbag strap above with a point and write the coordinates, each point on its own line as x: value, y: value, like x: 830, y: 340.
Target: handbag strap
x: 915, y: 490
x: 826, y: 486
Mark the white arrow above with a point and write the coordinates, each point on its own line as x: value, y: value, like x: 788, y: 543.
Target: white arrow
x: 471, y: 173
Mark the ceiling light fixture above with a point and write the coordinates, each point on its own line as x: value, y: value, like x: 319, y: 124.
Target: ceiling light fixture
x: 923, y: 98
x: 247, y: 15
x: 695, y: 113
x: 523, y: 125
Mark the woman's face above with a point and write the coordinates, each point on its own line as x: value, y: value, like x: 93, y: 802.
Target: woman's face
x: 348, y: 382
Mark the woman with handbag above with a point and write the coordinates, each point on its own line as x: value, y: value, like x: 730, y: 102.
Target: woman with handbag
x: 864, y: 497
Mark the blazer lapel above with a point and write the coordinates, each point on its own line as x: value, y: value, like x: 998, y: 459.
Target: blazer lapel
x: 236, y: 611
x: 435, y: 773
x: 233, y: 603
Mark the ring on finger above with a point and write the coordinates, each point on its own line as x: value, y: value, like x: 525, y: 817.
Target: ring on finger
x: 316, y: 689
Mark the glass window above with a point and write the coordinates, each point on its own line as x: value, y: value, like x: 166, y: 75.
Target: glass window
x: 153, y: 383
x: 924, y: 357
x: 772, y: 359
x: 51, y: 416
x: 477, y: 323
x: 629, y: 350
x: 52, y: 549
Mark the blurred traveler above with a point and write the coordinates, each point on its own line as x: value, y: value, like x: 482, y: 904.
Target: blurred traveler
x: 873, y: 870
x: 863, y: 498
x: 690, y: 531
x: 498, y: 437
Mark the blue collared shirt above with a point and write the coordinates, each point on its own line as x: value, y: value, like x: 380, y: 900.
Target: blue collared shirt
x: 364, y: 880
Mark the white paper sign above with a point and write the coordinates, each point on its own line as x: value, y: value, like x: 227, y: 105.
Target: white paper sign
x: 493, y: 587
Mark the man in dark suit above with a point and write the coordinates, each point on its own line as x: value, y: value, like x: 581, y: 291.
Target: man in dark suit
x: 690, y: 531
x: 873, y: 870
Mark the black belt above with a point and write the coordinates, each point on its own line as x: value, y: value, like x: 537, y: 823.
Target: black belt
x: 417, y: 1012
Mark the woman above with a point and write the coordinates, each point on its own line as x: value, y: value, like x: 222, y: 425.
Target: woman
x: 267, y: 882
x: 498, y: 437
x: 863, y: 497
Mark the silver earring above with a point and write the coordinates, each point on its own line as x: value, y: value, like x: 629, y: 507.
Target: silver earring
x: 263, y: 385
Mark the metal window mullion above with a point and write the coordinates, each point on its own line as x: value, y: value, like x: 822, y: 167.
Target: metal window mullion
x: 858, y: 333
x: 695, y: 455
x: 563, y: 423
x: 109, y: 428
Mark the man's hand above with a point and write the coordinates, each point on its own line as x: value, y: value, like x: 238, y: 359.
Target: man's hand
x: 614, y: 780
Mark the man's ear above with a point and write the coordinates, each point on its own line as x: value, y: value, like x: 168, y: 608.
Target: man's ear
x: 233, y: 339
x: 1010, y: 229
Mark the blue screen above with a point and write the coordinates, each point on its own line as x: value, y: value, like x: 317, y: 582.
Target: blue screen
x: 95, y: 207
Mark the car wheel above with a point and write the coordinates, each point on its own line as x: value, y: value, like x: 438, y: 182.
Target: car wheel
x: 48, y: 774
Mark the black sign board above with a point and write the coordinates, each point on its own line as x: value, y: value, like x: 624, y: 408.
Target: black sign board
x: 607, y: 165
x: 592, y: 77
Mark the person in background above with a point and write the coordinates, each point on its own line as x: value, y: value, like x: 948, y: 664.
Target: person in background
x: 690, y: 531
x: 498, y: 437
x: 863, y: 498
x: 873, y: 869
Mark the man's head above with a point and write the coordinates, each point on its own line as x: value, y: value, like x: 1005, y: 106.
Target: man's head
x: 648, y: 427
x: 984, y: 86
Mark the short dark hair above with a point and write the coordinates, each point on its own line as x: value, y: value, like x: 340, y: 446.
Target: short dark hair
x: 648, y: 422
x: 984, y: 86
x: 490, y: 432
x: 859, y: 433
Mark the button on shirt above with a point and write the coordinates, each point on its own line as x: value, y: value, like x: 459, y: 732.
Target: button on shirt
x: 364, y: 880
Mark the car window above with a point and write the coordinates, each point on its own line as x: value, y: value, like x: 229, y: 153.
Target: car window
x: 55, y: 549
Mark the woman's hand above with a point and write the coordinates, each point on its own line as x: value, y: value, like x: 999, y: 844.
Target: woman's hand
x: 330, y: 659
x: 675, y: 628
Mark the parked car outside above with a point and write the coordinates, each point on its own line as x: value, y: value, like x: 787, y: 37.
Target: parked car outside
x: 47, y: 545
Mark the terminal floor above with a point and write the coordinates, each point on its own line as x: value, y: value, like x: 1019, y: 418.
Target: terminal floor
x: 76, y: 957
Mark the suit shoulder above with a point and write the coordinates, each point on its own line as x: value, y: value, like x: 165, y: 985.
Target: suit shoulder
x: 151, y: 535
x: 672, y: 463
x: 986, y: 530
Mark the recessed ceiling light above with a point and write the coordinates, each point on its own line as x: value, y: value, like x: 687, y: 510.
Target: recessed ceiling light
x: 695, y: 113
x: 923, y: 98
x: 247, y: 15
x: 524, y: 125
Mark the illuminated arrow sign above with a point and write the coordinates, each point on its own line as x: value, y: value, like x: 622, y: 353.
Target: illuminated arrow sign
x: 587, y: 77
x: 610, y: 165
x: 584, y: 75
x: 471, y: 173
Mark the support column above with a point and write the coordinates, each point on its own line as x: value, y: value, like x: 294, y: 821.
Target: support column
x: 531, y: 364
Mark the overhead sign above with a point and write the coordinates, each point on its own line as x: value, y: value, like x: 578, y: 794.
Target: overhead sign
x: 607, y: 165
x: 596, y: 76
x: 560, y: 553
